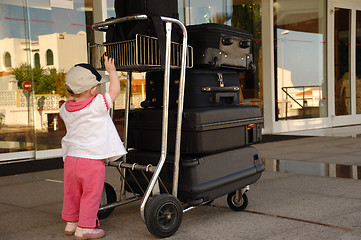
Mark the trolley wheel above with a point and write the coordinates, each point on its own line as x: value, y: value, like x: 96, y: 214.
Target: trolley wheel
x: 110, y: 197
x: 237, y: 205
x: 163, y: 215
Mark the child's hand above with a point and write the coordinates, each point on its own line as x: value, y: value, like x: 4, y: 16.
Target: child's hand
x: 109, y: 64
x: 114, y: 86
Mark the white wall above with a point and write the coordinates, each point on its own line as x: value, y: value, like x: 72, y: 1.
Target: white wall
x: 16, y: 48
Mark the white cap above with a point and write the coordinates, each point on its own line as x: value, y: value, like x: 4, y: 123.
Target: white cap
x: 83, y: 77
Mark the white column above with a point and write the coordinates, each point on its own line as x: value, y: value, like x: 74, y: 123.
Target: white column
x: 268, y: 66
x: 99, y: 14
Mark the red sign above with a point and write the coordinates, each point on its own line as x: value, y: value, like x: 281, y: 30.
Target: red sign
x: 27, y: 85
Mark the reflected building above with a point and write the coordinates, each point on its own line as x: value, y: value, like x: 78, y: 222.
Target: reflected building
x: 58, y: 50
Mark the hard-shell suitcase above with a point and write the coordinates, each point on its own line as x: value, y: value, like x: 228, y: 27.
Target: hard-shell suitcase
x: 204, y: 130
x: 202, y: 178
x: 219, y: 45
x: 203, y: 88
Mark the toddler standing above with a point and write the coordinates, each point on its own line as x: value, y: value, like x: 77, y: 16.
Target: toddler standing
x: 91, y: 140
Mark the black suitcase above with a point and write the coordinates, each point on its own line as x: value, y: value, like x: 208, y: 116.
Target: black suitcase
x: 203, y: 88
x: 204, y: 130
x: 154, y: 26
x: 201, y: 179
x: 128, y: 30
x: 218, y: 45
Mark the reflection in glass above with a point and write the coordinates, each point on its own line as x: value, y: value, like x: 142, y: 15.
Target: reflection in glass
x: 313, y: 168
x: 358, y: 62
x: 300, y: 62
x: 16, y: 118
x: 42, y: 42
x: 342, y: 61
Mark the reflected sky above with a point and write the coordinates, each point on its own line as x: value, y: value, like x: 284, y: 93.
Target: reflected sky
x: 42, y: 21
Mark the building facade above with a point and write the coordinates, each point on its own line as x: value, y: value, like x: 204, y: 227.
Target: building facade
x: 307, y: 54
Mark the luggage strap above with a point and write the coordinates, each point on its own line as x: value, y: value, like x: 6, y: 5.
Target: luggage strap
x: 159, y: 31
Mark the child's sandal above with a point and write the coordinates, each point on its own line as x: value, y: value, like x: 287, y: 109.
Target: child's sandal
x: 70, y: 228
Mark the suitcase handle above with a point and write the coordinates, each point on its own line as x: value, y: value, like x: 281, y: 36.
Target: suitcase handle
x: 228, y: 97
x: 220, y: 89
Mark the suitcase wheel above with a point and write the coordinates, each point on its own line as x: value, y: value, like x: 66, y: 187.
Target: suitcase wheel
x: 237, y: 204
x: 108, y: 196
x: 252, y: 67
x: 216, y: 63
x: 163, y: 215
x: 245, y: 44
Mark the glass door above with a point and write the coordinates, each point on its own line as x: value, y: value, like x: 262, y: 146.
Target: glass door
x: 346, y: 60
x: 342, y: 60
x: 358, y: 61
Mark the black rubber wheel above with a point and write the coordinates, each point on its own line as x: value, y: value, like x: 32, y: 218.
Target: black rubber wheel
x: 163, y: 215
x: 216, y: 63
x: 111, y: 197
x: 235, y: 205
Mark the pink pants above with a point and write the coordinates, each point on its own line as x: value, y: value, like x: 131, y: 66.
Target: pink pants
x: 83, y: 188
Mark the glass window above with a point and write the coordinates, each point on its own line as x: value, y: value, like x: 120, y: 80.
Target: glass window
x: 53, y: 36
x: 342, y: 52
x: 7, y: 59
x: 49, y: 57
x: 17, y: 123
x: 300, y: 59
x: 37, y: 60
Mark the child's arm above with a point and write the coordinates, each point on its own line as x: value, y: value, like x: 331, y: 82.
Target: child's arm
x: 114, y: 87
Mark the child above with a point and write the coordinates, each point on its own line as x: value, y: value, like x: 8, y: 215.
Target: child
x: 91, y: 140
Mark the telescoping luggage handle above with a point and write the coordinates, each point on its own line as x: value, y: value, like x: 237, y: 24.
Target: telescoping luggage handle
x: 102, y: 26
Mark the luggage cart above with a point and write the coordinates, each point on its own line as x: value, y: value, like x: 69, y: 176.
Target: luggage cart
x: 163, y: 214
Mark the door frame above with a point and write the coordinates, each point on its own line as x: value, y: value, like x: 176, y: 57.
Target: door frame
x: 353, y: 118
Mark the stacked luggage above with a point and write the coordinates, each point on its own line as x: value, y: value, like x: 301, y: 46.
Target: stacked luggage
x: 216, y: 156
x: 213, y: 156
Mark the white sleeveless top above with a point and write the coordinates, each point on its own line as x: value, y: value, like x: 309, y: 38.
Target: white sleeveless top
x: 90, y: 130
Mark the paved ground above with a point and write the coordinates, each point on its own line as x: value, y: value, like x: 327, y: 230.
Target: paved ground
x: 298, y: 197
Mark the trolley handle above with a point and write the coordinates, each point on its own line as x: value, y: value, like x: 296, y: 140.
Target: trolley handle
x: 103, y: 26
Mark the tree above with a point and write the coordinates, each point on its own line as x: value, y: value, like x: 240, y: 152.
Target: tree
x: 45, y: 81
x: 60, y: 84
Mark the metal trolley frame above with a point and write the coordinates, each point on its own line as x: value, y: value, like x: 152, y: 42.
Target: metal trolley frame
x: 162, y: 215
